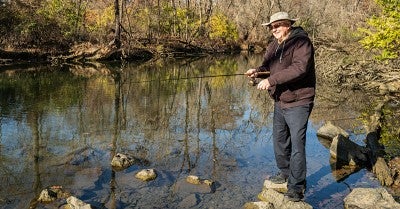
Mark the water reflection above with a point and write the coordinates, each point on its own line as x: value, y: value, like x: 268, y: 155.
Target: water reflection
x: 63, y: 126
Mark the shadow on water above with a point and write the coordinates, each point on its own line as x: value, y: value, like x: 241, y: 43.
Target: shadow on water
x: 198, y: 117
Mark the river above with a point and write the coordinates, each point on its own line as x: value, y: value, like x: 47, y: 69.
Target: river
x: 61, y: 126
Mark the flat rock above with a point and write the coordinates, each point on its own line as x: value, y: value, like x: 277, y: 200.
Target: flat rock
x: 190, y: 201
x: 370, y: 198
x: 184, y: 188
x: 282, y: 188
x: 258, y: 205
x: 278, y: 200
x: 329, y: 131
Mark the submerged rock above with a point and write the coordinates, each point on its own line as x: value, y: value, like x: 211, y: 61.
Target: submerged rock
x: 208, y: 182
x: 194, y: 185
x: 192, y: 179
x: 342, y: 170
x: 190, y: 201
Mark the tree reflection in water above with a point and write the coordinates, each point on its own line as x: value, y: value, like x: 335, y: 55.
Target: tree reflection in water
x: 64, y: 126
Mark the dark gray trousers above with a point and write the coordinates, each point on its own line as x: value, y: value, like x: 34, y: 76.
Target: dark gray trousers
x: 289, y: 138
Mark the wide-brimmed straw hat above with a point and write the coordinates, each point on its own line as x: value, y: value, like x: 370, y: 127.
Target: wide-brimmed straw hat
x: 280, y: 16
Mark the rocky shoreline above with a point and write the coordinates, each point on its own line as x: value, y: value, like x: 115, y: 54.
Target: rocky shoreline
x: 272, y: 197
x: 351, y: 158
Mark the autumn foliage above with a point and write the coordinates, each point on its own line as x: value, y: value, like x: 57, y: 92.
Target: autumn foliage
x: 62, y: 23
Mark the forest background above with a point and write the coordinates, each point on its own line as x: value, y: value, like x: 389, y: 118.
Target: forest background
x: 357, y: 41
x: 216, y: 25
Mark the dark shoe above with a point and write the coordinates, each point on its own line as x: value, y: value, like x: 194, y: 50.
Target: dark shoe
x: 294, y: 196
x: 278, y: 179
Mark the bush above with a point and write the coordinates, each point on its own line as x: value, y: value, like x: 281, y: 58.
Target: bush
x: 222, y: 29
x: 383, y: 32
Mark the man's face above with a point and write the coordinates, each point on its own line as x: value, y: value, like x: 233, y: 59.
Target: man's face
x: 280, y: 29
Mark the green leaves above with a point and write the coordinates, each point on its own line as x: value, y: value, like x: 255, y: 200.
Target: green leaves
x: 383, y: 32
x: 67, y: 14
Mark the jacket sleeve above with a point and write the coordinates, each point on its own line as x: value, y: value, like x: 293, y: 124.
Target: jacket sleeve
x: 267, y: 57
x: 301, y: 60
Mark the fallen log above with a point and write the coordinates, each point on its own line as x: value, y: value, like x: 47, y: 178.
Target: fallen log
x: 88, y: 52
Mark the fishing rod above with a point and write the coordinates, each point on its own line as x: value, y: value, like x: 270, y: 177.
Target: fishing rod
x: 257, y: 75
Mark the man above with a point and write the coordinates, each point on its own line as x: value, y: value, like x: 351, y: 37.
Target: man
x: 290, y: 61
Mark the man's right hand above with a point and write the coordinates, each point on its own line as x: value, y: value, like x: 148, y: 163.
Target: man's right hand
x: 251, y: 73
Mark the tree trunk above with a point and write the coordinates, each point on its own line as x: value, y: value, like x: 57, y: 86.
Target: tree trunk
x: 117, y: 36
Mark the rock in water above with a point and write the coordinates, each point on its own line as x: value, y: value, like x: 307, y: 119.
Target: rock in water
x: 146, y: 174
x: 121, y: 161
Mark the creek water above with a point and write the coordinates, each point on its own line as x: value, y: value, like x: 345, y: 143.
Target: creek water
x: 61, y: 126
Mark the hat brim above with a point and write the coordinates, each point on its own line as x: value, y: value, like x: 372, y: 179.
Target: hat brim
x: 269, y: 23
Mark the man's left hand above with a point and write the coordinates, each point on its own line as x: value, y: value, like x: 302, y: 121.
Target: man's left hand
x: 263, y: 85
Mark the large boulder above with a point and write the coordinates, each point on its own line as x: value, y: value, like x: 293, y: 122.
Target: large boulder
x: 370, y: 198
x: 329, y: 131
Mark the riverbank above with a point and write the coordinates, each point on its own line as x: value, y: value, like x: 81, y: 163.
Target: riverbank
x: 87, y: 51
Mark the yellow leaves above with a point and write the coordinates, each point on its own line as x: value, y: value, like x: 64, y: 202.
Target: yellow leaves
x: 383, y: 32
x: 222, y: 28
x: 65, y: 14
x: 98, y: 19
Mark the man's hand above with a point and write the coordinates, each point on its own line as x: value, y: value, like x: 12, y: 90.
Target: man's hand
x: 252, y: 73
x: 263, y: 85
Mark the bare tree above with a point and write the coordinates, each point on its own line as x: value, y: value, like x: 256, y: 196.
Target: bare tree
x: 117, y: 33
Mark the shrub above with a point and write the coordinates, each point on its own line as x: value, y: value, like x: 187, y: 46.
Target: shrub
x: 383, y: 32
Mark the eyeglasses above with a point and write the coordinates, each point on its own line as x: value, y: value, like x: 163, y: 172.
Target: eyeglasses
x: 277, y: 25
